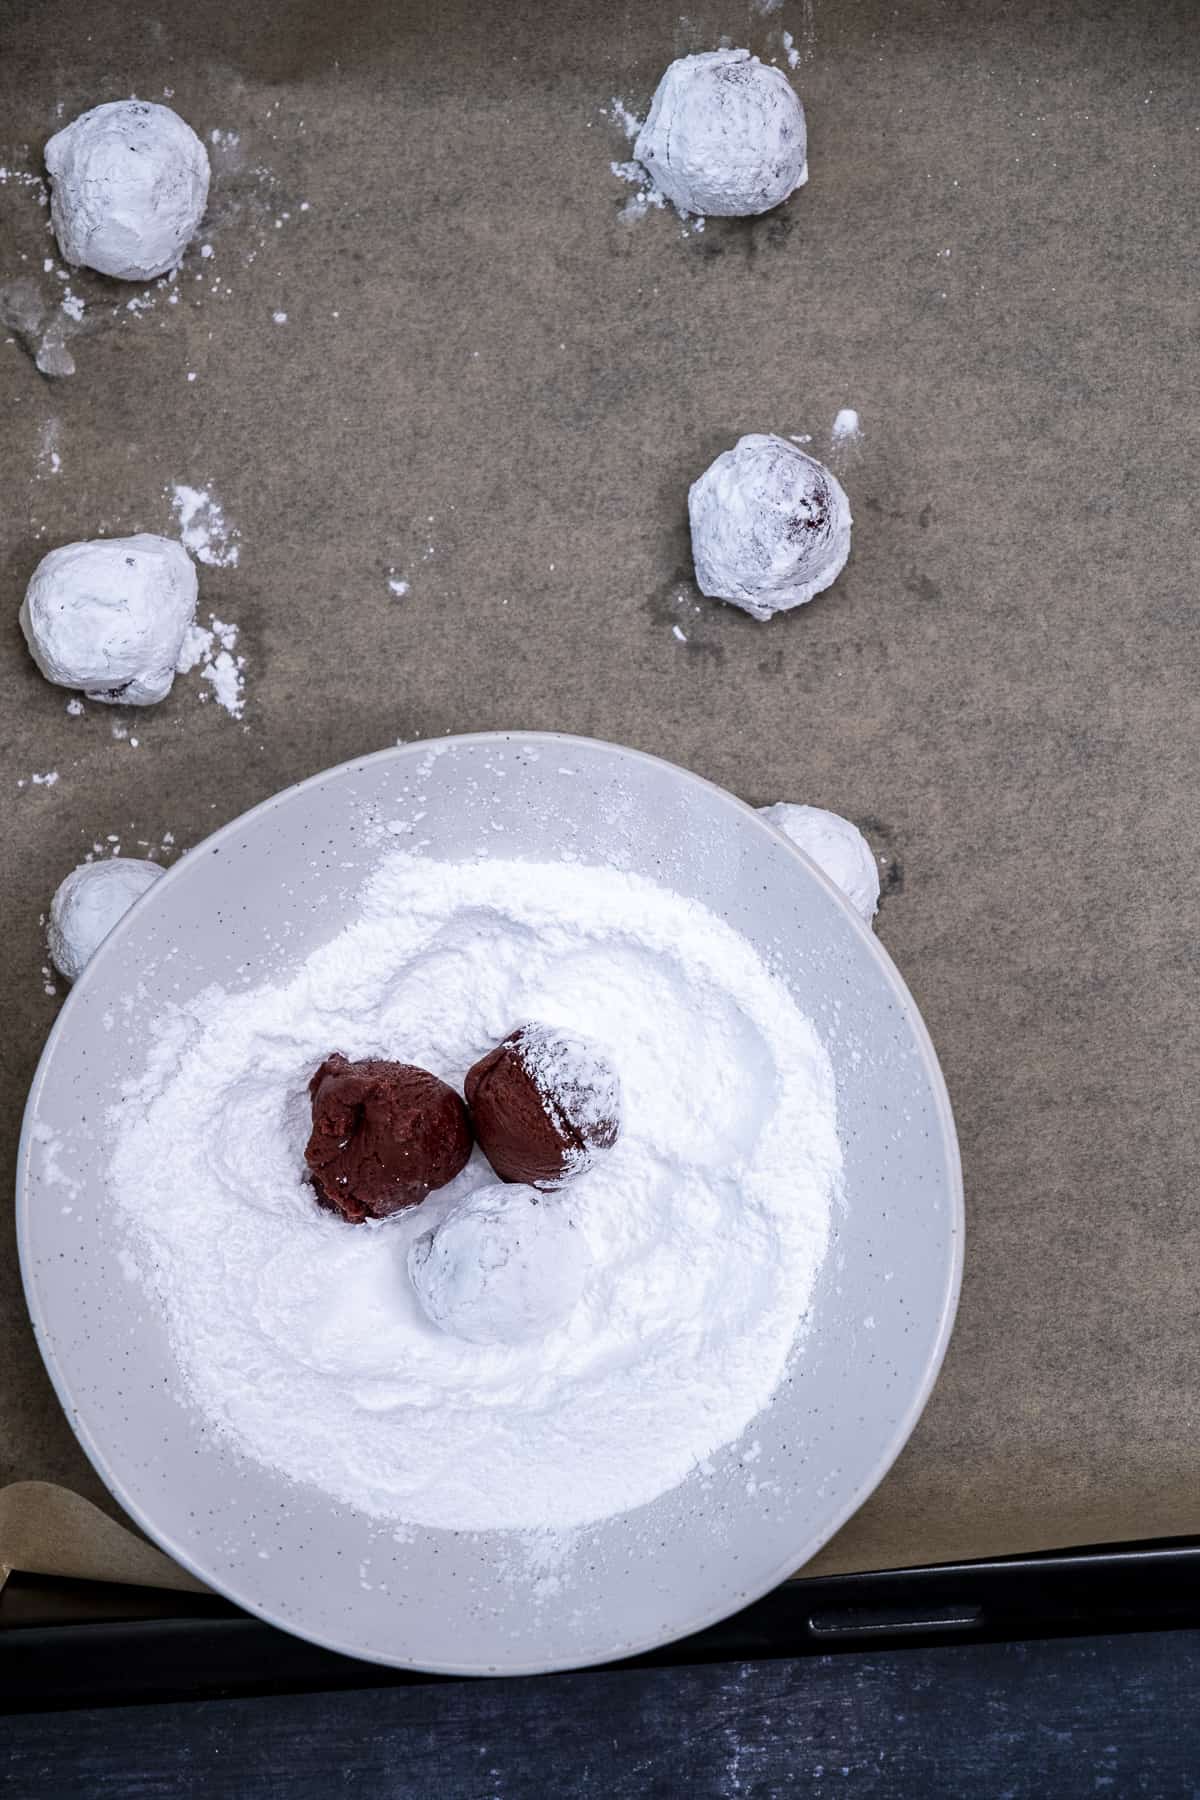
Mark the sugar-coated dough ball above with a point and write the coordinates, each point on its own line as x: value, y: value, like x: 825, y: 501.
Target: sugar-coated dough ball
x: 725, y: 135
x: 88, y: 904
x: 770, y: 526
x: 504, y: 1266
x: 838, y: 848
x: 109, y: 616
x: 129, y: 188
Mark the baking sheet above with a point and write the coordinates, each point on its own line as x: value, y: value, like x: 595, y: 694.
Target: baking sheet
x: 492, y: 386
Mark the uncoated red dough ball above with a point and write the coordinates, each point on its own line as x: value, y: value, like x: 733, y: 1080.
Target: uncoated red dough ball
x: 384, y: 1135
x: 542, y: 1103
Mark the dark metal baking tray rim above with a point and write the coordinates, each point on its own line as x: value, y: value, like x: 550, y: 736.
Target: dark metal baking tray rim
x: 203, y: 1648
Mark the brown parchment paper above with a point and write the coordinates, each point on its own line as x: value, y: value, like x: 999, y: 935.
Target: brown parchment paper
x: 489, y: 385
x: 48, y: 1530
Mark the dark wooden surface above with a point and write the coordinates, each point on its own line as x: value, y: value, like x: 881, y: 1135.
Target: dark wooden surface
x: 1101, y: 1715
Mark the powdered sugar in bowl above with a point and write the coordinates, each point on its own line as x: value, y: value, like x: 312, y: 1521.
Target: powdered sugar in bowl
x: 765, y: 1261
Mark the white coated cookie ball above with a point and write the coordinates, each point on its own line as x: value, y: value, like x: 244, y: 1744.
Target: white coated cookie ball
x: 504, y: 1266
x: 770, y: 526
x: 838, y: 848
x: 725, y: 135
x: 110, y: 616
x: 129, y: 188
x: 88, y: 904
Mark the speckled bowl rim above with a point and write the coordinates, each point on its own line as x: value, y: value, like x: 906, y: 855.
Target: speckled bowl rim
x: 806, y: 1548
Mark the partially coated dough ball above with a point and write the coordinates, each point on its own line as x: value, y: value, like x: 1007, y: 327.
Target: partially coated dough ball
x: 129, y: 188
x: 88, y: 904
x: 543, y: 1102
x: 504, y: 1266
x: 838, y: 848
x: 109, y: 616
x: 770, y: 526
x: 725, y: 135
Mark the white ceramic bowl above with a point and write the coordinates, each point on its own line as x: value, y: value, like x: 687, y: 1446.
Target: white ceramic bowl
x: 471, y: 1603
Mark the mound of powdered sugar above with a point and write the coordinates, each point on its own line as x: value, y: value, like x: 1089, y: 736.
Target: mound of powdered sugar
x: 300, y: 1338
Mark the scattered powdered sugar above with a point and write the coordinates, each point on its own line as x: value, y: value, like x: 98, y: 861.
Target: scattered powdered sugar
x: 223, y: 668
x: 625, y: 117
x: 203, y: 528
x: 49, y: 455
x: 790, y: 51
x: 49, y: 779
x: 51, y: 1169
x: 646, y: 194
x: 224, y: 673
x: 112, y: 847
x: 299, y: 1337
x: 25, y: 178
x: 397, y: 586
x: 846, y: 429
